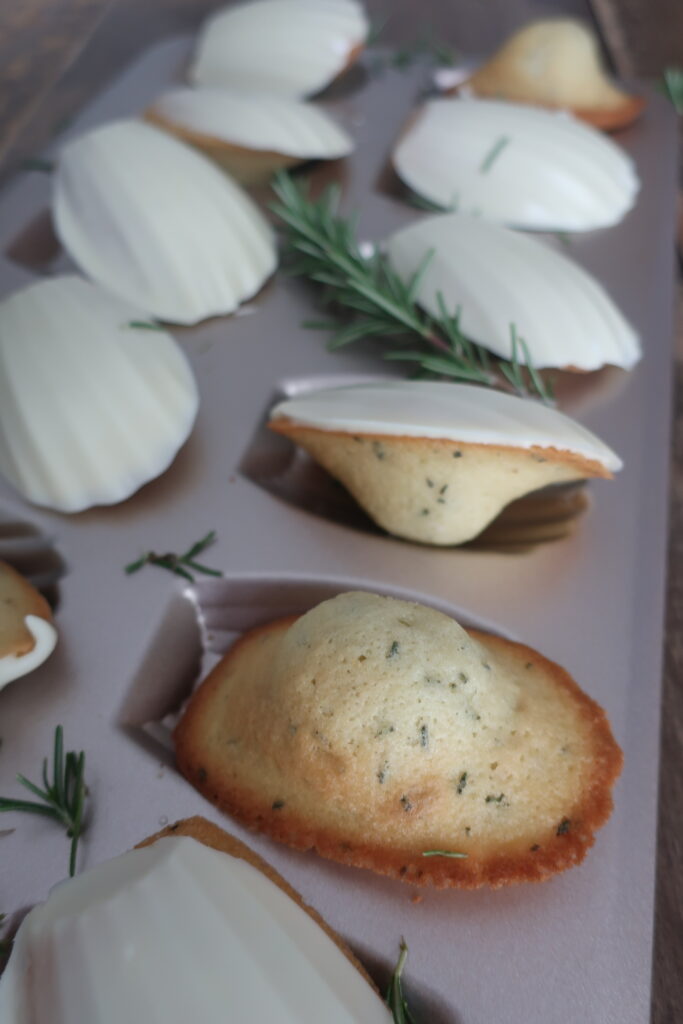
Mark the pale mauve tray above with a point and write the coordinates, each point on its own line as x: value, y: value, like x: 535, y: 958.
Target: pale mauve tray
x: 576, y: 948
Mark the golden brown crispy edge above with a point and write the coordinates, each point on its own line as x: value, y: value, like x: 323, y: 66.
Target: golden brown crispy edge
x: 607, y: 119
x: 588, y: 467
x: 211, y: 835
x: 558, y: 853
x: 25, y: 600
x: 215, y: 146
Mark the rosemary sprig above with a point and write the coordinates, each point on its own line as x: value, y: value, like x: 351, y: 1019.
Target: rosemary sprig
x: 395, y: 999
x: 178, y: 564
x: 672, y: 86
x: 426, y: 47
x: 325, y: 249
x: 62, y: 799
x: 444, y: 853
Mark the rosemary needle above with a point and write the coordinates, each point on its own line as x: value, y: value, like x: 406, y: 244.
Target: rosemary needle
x: 62, y: 799
x: 672, y: 86
x: 395, y: 999
x: 178, y: 564
x: 444, y: 853
x: 379, y: 303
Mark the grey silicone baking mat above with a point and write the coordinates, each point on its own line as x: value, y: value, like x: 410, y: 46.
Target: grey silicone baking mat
x: 576, y: 948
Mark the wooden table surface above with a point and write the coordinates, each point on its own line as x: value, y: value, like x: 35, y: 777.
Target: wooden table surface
x: 55, y: 53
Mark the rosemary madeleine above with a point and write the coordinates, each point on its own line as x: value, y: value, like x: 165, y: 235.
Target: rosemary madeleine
x: 496, y: 277
x: 556, y: 62
x: 516, y: 165
x: 381, y: 734
x: 284, y: 47
x: 68, y: 446
x: 27, y: 636
x: 251, y: 135
x: 190, y: 925
x: 436, y: 462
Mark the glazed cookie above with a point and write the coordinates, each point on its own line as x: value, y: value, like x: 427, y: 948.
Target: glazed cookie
x: 27, y: 636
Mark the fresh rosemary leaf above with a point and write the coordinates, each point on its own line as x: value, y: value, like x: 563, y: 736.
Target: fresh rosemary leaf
x: 62, y: 799
x: 178, y: 564
x: 422, y: 203
x: 395, y: 999
x: 144, y: 325
x: 444, y: 853
x: 493, y: 154
x: 370, y: 299
x: 672, y: 86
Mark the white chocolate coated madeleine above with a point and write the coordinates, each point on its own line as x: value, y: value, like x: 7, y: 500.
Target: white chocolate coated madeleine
x: 93, y: 403
x: 250, y: 134
x: 555, y: 62
x: 436, y: 462
x: 383, y: 735
x: 285, y: 47
x: 27, y: 636
x: 516, y: 165
x: 182, y: 928
x: 158, y: 224
x: 499, y: 278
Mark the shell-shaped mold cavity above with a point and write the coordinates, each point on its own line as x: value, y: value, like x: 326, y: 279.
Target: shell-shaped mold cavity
x: 287, y: 47
x: 158, y: 224
x: 108, y: 947
x: 93, y: 403
x: 436, y: 462
x: 27, y: 636
x: 556, y: 62
x: 250, y: 134
x: 499, y: 279
x: 516, y: 165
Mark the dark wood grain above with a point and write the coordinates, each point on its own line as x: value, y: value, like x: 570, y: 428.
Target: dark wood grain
x: 54, y: 54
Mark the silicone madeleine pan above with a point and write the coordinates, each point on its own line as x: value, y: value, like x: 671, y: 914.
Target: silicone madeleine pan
x: 132, y: 647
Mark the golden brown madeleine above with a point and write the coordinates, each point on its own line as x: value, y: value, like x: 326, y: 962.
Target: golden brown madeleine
x: 382, y: 735
x: 556, y: 62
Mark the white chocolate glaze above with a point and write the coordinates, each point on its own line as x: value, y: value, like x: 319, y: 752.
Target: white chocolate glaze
x: 256, y: 121
x: 456, y: 412
x: 516, y: 165
x: 90, y: 407
x: 287, y: 47
x: 155, y: 222
x: 176, y: 932
x: 499, y: 277
x: 45, y: 636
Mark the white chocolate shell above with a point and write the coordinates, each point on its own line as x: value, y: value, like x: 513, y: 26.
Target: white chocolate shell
x: 152, y: 220
x: 556, y: 62
x: 437, y: 462
x: 286, y: 47
x: 250, y: 134
x: 450, y: 412
x: 516, y: 165
x: 175, y: 932
x: 90, y: 407
x: 498, y: 278
x: 27, y: 636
